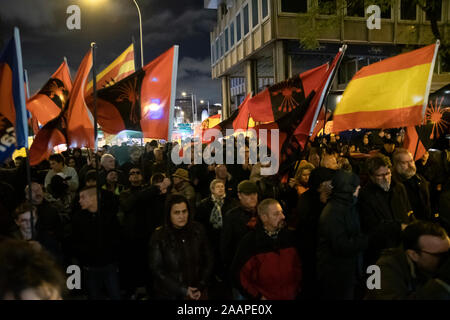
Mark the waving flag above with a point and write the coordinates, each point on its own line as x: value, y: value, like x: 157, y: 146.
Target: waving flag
x: 142, y: 101
x: 119, y: 69
x: 74, y: 125
x: 244, y: 120
x: 388, y: 94
x: 284, y: 97
x: 50, y: 100
x: 13, y: 117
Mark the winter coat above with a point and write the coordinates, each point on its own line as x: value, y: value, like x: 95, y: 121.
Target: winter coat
x: 178, y: 259
x: 236, y: 224
x: 266, y: 266
x: 402, y: 280
x: 418, y: 192
x: 340, y: 243
x: 382, y: 214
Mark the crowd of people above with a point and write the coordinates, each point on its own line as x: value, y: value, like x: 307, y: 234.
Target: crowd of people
x: 141, y: 227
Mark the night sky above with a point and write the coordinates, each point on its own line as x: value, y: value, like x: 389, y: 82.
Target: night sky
x: 46, y: 39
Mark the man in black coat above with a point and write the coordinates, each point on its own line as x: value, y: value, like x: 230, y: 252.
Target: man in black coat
x: 238, y: 221
x: 417, y: 270
x: 417, y: 187
x: 95, y: 241
x: 341, y: 243
x: 384, y: 208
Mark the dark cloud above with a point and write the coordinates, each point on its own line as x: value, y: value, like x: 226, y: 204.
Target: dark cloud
x: 112, y: 24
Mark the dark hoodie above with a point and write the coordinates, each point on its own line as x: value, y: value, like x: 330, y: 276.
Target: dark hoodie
x: 340, y: 243
x: 179, y: 258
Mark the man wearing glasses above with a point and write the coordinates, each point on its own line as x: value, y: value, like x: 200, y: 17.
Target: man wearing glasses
x: 384, y: 208
x: 419, y: 269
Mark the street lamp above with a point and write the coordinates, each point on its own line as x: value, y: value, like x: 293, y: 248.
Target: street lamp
x: 202, y: 102
x: 140, y: 33
x: 194, y: 108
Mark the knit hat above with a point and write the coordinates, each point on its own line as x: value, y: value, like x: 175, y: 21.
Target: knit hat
x: 247, y: 187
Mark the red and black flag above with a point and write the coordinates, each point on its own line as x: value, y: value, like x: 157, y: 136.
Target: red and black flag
x: 231, y: 121
x: 50, y: 100
x: 284, y: 97
x: 288, y: 145
x: 419, y: 139
x: 143, y: 100
x: 73, y: 126
x: 119, y: 105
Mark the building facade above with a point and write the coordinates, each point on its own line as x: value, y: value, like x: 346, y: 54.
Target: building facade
x: 256, y: 43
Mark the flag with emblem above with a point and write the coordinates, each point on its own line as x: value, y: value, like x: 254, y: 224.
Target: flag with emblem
x: 13, y: 115
x: 119, y: 69
x: 143, y: 100
x: 418, y: 139
x: 283, y: 97
x: 50, y: 100
x: 74, y: 125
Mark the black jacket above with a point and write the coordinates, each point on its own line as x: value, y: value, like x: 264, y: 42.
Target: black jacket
x: 178, y: 259
x: 418, y: 192
x: 401, y: 280
x: 95, y: 238
x: 382, y: 214
x: 340, y: 243
x: 237, y: 222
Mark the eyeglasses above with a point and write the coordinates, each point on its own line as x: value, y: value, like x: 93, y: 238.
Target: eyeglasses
x: 134, y: 172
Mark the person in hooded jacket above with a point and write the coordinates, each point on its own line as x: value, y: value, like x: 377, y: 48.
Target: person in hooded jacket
x: 340, y: 241
x: 180, y: 256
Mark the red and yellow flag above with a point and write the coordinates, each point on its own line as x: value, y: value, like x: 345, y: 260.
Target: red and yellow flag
x: 388, y: 94
x: 119, y: 69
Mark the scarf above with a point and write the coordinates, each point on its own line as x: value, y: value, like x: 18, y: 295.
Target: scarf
x: 216, y: 213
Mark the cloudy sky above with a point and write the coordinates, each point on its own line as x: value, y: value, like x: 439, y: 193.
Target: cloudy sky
x: 46, y: 40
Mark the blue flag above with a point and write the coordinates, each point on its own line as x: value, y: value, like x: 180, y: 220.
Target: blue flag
x: 13, y: 116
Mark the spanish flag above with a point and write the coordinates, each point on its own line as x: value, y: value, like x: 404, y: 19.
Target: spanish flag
x: 119, y: 69
x: 388, y: 94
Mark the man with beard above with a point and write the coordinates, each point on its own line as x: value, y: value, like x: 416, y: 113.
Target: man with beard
x: 383, y: 207
x: 416, y: 186
x: 267, y: 265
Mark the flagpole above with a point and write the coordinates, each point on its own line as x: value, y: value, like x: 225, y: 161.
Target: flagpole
x: 173, y: 91
x: 417, y: 145
x: 94, y: 87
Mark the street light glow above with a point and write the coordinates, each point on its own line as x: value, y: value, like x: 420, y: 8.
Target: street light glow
x: 94, y: 2
x: 183, y: 94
